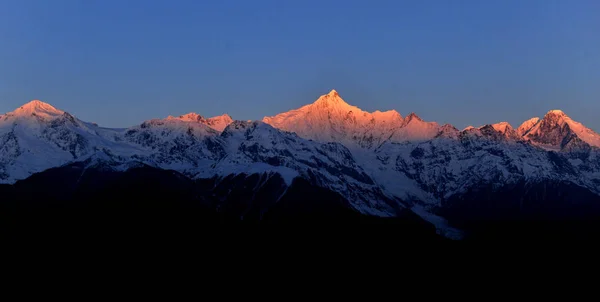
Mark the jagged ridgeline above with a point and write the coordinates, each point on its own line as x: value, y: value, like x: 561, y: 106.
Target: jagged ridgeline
x: 328, y: 160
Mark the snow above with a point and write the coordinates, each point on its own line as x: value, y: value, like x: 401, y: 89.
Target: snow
x: 329, y: 165
x: 584, y: 133
x: 414, y: 129
x: 502, y: 127
x: 190, y: 117
x: 555, y: 120
x: 39, y: 108
x: 220, y: 122
x: 527, y: 125
x: 448, y: 131
x: 440, y: 168
x: 29, y: 114
x: 217, y: 123
x: 368, y: 158
x: 440, y: 223
x: 331, y: 119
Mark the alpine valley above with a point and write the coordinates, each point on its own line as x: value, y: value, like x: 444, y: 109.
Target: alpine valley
x: 326, y: 163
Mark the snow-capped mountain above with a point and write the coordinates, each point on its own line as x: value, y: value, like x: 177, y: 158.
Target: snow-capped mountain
x: 217, y: 122
x: 527, y: 125
x: 557, y: 131
x: 256, y: 147
x: 506, y: 130
x: 429, y: 164
x: 37, y: 136
x: 446, y: 166
x: 175, y: 143
x: 331, y: 119
x: 414, y: 129
x: 378, y: 162
x: 447, y: 131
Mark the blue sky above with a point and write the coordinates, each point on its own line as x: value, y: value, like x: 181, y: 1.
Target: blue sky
x: 119, y: 62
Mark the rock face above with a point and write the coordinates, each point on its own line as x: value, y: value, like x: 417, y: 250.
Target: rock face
x: 378, y: 163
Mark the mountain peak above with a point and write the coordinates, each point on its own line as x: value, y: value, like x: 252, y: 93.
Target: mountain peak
x: 332, y: 99
x: 330, y: 118
x: 502, y: 126
x: 37, y: 107
x: 223, y: 117
x: 556, y: 112
x: 413, y: 116
x: 219, y: 122
x: 556, y: 129
x: 37, y: 104
x: 447, y: 131
x: 527, y: 125
x: 191, y: 117
x: 556, y: 116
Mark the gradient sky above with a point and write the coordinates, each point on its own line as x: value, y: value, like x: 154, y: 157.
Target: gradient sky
x: 119, y: 62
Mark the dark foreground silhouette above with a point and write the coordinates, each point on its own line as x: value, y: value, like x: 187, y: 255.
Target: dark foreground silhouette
x: 146, y: 200
x: 81, y: 201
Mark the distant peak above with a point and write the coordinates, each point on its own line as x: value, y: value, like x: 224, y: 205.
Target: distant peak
x: 332, y: 98
x: 527, y: 125
x: 413, y: 116
x: 216, y: 122
x: 556, y: 112
x: 38, y: 107
x: 222, y: 117
x: 502, y: 126
x: 532, y: 120
x: 219, y: 122
x: 37, y: 104
x: 556, y: 115
x: 192, y: 116
x: 447, y: 131
x: 447, y: 127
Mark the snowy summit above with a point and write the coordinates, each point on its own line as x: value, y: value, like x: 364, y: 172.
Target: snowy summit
x: 331, y: 119
x: 38, y: 108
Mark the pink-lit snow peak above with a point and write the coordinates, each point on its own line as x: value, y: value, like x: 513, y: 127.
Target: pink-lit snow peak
x: 217, y: 122
x: 330, y: 118
x: 38, y: 108
x: 527, y: 125
x: 502, y: 126
x: 556, y: 111
x: 551, y: 129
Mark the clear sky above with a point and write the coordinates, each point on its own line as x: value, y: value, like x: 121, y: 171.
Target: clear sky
x: 119, y: 62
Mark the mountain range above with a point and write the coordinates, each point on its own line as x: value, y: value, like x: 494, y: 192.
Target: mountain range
x: 323, y: 156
